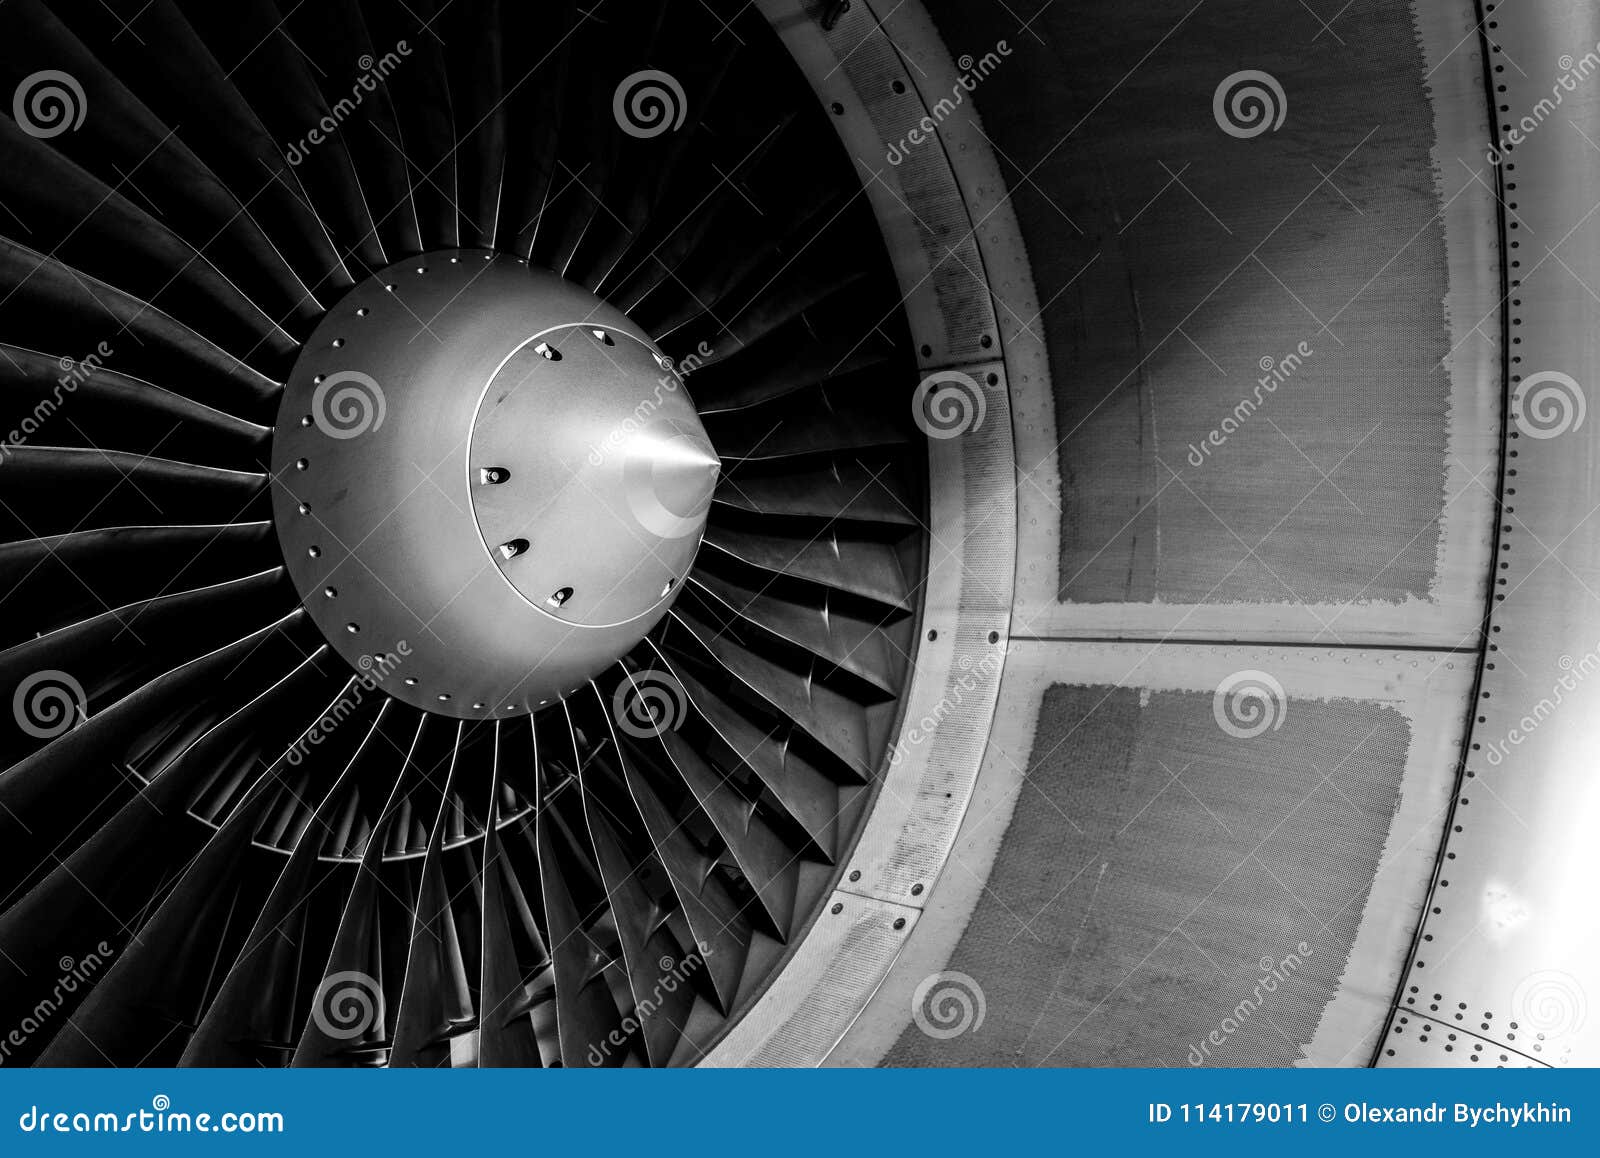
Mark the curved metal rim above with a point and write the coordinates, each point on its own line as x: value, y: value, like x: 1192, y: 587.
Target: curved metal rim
x: 836, y: 965
x: 1505, y: 952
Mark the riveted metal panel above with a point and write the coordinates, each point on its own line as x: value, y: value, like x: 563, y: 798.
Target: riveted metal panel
x: 1421, y: 1041
x: 1510, y: 942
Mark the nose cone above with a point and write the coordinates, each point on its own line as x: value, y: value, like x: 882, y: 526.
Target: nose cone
x: 519, y: 505
x: 668, y: 477
x: 610, y: 477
